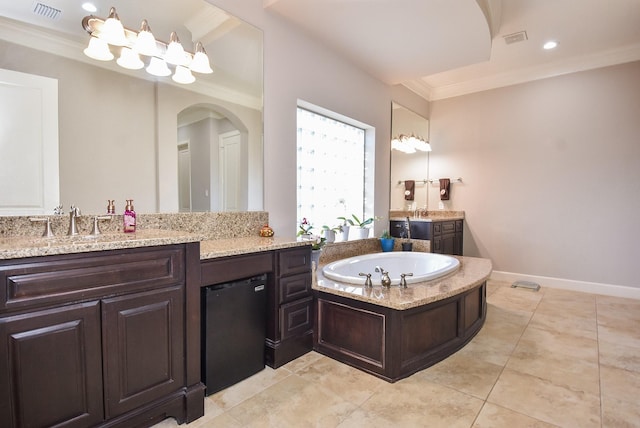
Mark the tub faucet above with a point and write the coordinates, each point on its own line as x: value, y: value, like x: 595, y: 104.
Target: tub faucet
x: 384, y: 277
x: 74, y: 213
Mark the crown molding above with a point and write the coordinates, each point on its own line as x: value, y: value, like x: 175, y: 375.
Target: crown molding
x: 513, y: 77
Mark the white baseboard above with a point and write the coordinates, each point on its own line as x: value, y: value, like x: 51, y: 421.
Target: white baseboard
x: 569, y: 284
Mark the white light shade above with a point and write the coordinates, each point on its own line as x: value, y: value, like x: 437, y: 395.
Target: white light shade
x: 551, y: 44
x: 175, y: 52
x: 200, y: 63
x: 112, y: 30
x: 145, y: 42
x: 98, y: 49
x: 183, y: 75
x: 129, y: 59
x: 158, y: 67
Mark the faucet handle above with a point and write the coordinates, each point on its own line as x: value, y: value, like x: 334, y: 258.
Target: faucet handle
x: 367, y: 281
x: 48, y: 232
x: 403, y: 279
x: 96, y: 226
x: 58, y: 210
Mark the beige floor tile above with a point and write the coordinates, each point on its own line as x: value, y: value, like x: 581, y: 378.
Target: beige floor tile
x: 515, y: 298
x: 556, y: 301
x: 620, y: 414
x: 464, y: 373
x: 620, y: 356
x: 562, y: 369
x: 302, y: 362
x: 415, y: 403
x: 620, y: 384
x: 292, y: 402
x: 539, y: 341
x: 544, y: 400
x: 621, y: 334
x: 341, y: 380
x: 492, y: 416
x: 560, y: 322
x: 249, y: 387
x: 486, y: 347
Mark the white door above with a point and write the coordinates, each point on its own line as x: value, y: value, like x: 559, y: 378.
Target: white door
x: 229, y: 167
x: 184, y: 177
x: 29, y: 184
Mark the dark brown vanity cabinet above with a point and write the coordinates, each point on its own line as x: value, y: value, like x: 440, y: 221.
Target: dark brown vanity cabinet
x: 445, y: 236
x: 100, y: 338
x: 289, y: 315
x: 290, y: 307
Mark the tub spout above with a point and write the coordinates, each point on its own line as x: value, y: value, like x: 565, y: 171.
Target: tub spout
x: 385, y: 280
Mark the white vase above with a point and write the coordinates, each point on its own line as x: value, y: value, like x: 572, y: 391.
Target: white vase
x: 360, y: 233
x: 315, y: 258
x: 330, y: 236
x: 344, y: 235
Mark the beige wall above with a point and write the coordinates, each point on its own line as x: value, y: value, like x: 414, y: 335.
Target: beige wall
x: 551, y: 174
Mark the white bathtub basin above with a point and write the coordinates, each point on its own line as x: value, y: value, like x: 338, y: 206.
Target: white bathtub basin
x: 424, y: 266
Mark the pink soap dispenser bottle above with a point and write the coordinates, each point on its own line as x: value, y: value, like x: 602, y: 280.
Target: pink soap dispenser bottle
x: 129, y: 217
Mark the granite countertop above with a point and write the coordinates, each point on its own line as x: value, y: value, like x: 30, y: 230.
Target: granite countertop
x: 234, y: 246
x: 15, y: 247
x: 473, y: 271
x: 426, y: 215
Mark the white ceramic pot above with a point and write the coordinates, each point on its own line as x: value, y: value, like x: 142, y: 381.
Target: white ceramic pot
x: 360, y: 233
x: 330, y: 236
x: 344, y: 235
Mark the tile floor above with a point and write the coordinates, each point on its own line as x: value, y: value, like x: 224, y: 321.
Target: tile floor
x: 543, y: 359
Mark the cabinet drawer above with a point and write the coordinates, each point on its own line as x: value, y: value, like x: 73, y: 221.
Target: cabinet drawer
x: 38, y: 281
x: 296, y: 260
x: 295, y: 287
x: 448, y: 226
x: 437, y: 228
x: 218, y: 271
x: 296, y: 317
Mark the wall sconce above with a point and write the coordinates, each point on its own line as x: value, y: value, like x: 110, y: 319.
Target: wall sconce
x: 110, y: 36
x: 410, y: 144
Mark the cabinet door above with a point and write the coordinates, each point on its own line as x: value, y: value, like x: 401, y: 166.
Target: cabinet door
x: 143, y: 339
x: 51, y: 368
x: 448, y: 244
x: 296, y: 318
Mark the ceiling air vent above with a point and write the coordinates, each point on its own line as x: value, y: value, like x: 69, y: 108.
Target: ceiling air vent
x: 520, y: 36
x: 45, y: 11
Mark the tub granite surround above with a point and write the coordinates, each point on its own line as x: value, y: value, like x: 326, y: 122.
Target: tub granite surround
x: 472, y: 273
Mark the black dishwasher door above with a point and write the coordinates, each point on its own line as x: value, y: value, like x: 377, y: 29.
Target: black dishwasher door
x: 233, y: 332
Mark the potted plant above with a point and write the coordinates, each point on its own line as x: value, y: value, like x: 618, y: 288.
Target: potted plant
x: 359, y: 225
x: 387, y: 241
x: 330, y: 232
x: 317, y: 242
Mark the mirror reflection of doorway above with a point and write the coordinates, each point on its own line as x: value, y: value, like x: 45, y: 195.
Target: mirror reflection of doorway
x: 212, y: 155
x: 184, y: 177
x: 229, y: 160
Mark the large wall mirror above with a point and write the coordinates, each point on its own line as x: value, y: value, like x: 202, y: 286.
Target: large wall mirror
x: 124, y: 134
x: 412, y: 167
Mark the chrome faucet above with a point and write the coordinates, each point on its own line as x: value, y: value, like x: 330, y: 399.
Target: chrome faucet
x: 74, y: 213
x: 384, y: 277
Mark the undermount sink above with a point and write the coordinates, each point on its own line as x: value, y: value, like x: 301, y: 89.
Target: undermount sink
x: 423, y: 266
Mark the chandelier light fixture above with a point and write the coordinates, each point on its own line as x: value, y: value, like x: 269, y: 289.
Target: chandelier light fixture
x: 140, y: 49
x: 410, y: 144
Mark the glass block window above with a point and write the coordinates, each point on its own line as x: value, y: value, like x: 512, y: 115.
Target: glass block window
x: 331, y: 170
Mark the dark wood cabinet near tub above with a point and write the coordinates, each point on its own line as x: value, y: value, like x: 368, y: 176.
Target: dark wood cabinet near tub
x: 100, y: 338
x: 289, y: 319
x: 445, y: 236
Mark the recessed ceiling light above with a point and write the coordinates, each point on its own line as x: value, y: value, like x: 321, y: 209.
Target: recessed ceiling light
x: 550, y: 45
x: 89, y: 7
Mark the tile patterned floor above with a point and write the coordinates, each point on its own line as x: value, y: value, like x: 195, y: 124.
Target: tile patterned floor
x: 551, y: 358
